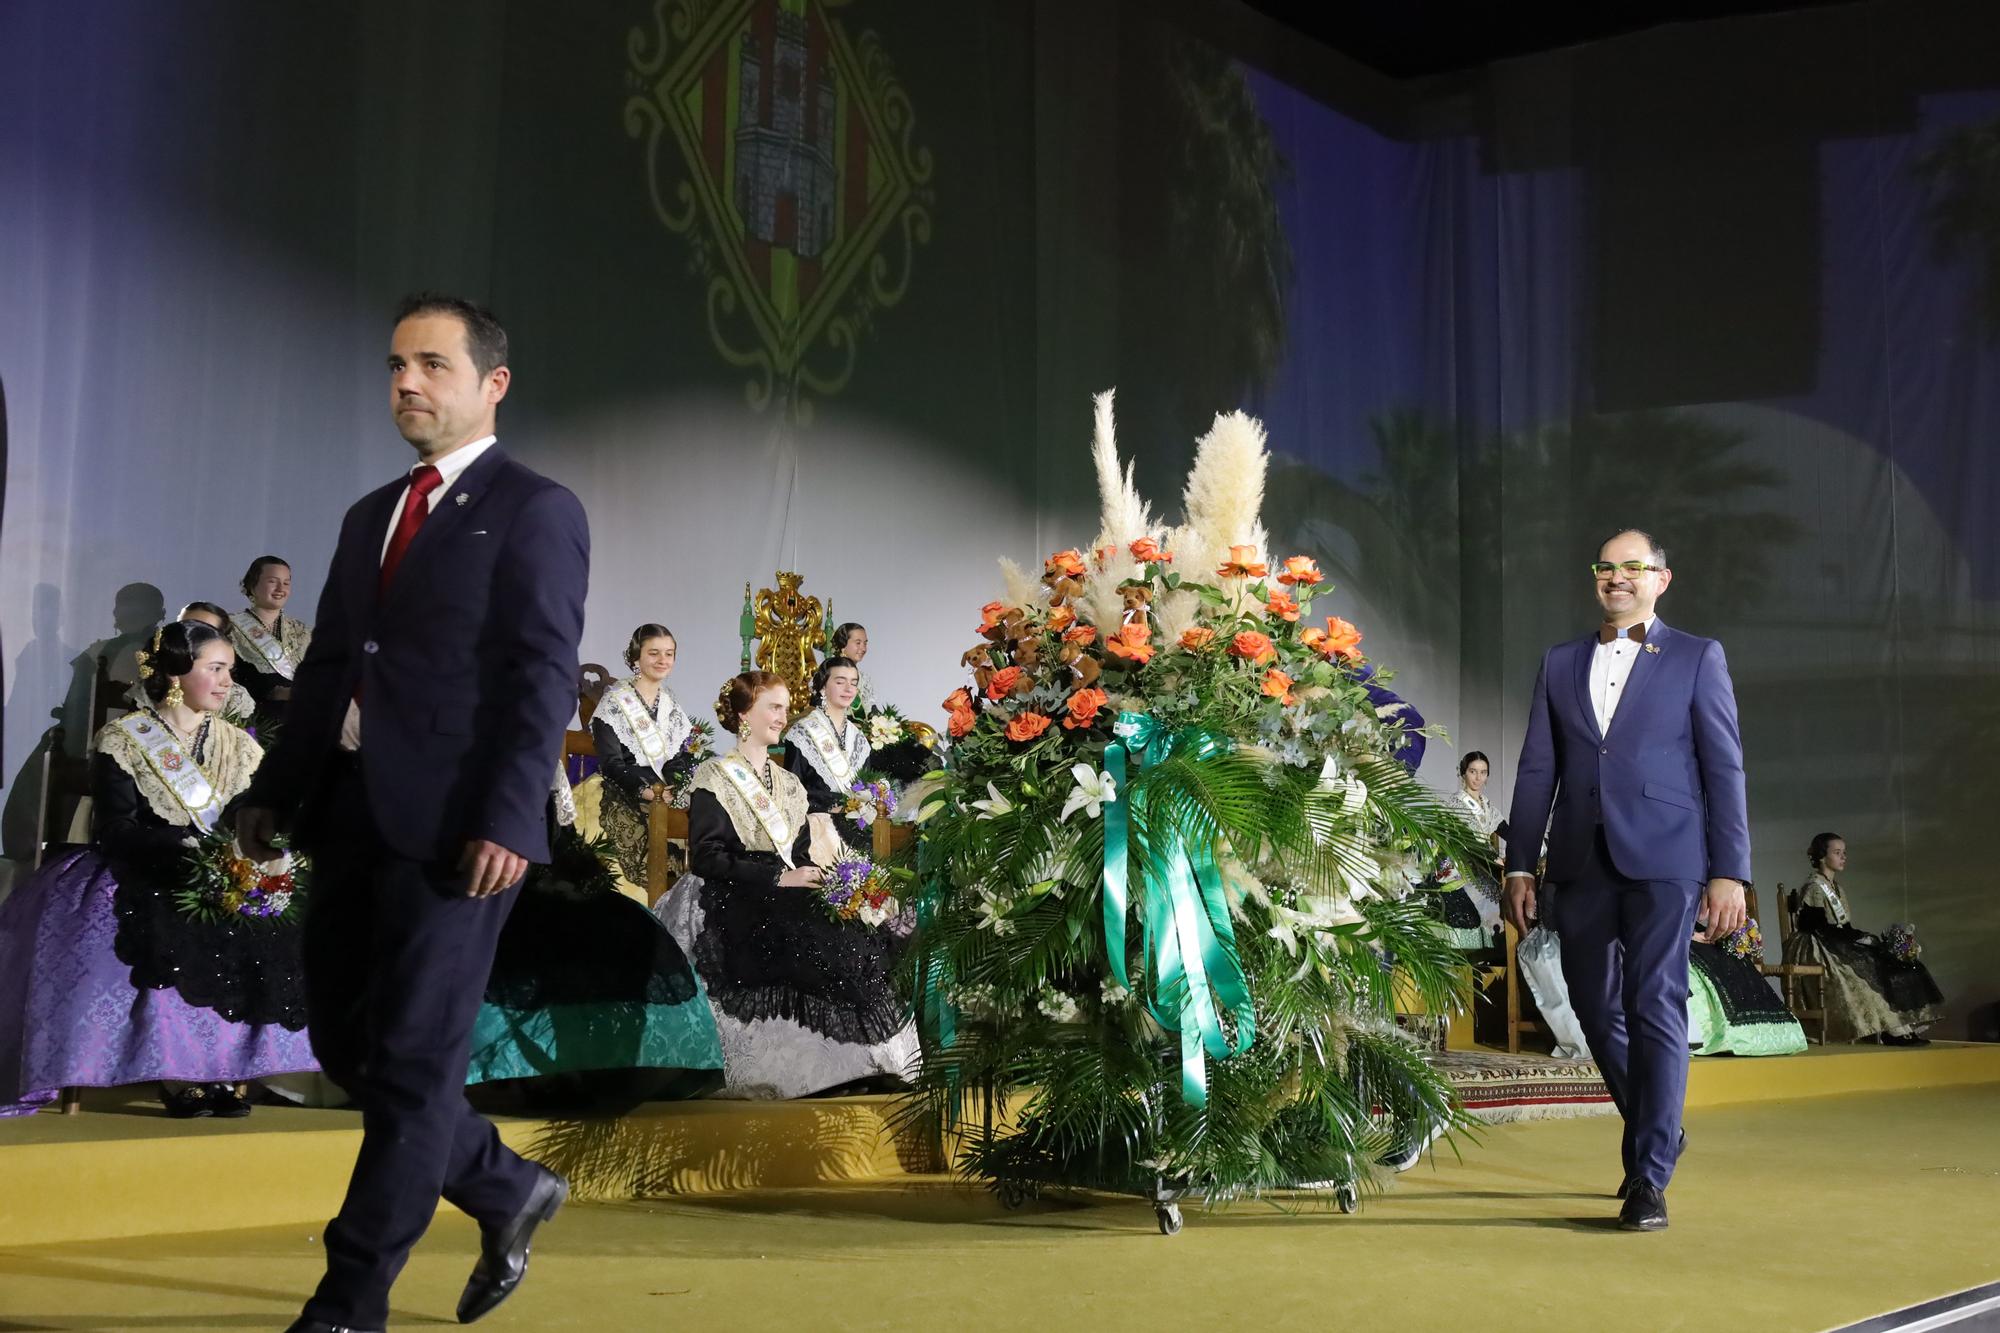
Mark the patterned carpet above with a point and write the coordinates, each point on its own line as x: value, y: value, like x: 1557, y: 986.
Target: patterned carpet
x: 1499, y: 1088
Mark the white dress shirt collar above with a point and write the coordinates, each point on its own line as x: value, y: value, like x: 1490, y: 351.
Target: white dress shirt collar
x: 453, y: 465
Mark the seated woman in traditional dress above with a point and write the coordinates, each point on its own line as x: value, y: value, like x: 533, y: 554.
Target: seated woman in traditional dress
x: 1868, y: 992
x: 851, y: 642
x: 826, y: 749
x: 104, y: 980
x: 269, y: 644
x: 641, y: 734
x: 1472, y: 914
x: 804, y: 1003
x: 590, y: 1002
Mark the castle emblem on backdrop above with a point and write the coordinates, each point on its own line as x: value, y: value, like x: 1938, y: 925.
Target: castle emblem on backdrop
x: 781, y: 147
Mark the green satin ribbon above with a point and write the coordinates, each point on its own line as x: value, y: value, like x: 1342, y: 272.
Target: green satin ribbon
x: 1185, y: 911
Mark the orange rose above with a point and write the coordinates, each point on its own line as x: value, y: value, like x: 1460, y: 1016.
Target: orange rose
x: 1342, y: 639
x: 1242, y: 563
x: 962, y: 721
x: 1083, y: 708
x: 958, y: 701
x: 1067, y: 563
x: 1149, y: 550
x: 1061, y: 619
x: 1132, y: 642
x: 1026, y: 727
x: 1084, y: 634
x: 989, y: 615
x: 1252, y: 647
x: 1278, y: 685
x: 1003, y: 682
x: 1104, y: 554
x: 1198, y: 638
x: 1314, y: 638
x: 1281, y: 605
x: 1300, y: 569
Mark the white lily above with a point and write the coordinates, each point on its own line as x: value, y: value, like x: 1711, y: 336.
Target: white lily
x: 1093, y: 791
x: 997, y: 806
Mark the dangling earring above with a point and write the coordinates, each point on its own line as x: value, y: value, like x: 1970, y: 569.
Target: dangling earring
x: 174, y: 697
x: 743, y: 734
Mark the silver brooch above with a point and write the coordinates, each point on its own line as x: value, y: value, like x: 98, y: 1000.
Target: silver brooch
x: 1652, y: 647
x: 462, y: 497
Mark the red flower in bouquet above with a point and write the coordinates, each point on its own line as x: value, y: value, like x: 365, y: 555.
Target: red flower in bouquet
x: 1300, y: 569
x: 1005, y: 681
x: 1132, y: 643
x: 1278, y: 686
x: 1150, y: 551
x: 1242, y: 564
x: 1084, y: 706
x: 1027, y: 726
x: 958, y: 701
x: 1252, y: 647
x: 1282, y: 605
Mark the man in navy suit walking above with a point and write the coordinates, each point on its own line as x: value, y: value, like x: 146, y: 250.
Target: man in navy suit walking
x: 425, y: 727
x: 1632, y: 745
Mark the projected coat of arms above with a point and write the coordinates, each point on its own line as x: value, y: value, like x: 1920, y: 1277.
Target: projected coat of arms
x: 781, y: 147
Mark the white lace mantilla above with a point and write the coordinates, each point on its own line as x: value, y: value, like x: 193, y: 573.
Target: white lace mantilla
x: 816, y: 739
x: 232, y: 756
x: 1484, y: 817
x: 1821, y: 892
x: 625, y: 712
x: 788, y: 794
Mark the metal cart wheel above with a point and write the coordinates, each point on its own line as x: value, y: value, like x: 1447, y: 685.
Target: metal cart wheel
x: 1169, y: 1217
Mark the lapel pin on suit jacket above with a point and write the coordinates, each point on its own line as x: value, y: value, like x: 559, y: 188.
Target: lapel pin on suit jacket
x: 461, y: 498
x: 1652, y: 647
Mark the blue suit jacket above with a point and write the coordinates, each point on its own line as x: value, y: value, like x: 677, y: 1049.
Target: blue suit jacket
x: 467, y: 666
x: 1666, y: 782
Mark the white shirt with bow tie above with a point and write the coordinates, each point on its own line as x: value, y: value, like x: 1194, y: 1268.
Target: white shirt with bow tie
x: 1610, y: 667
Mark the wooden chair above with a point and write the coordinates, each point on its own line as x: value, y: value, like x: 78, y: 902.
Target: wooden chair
x: 591, y: 682
x: 65, y: 778
x: 1516, y: 1024
x: 1791, y: 976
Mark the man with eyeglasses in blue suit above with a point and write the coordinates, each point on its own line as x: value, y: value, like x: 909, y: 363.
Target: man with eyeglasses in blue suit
x: 1633, y: 748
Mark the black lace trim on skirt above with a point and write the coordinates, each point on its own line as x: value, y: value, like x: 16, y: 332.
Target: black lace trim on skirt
x: 1745, y: 995
x: 562, y: 948
x: 1907, y: 987
x: 247, y: 971
x: 773, y: 953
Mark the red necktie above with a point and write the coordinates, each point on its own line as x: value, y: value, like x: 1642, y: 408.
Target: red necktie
x: 416, y: 508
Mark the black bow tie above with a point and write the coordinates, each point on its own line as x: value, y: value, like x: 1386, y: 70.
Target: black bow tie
x: 1609, y: 634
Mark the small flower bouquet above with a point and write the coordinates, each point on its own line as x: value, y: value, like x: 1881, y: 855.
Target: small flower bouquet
x: 903, y: 750
x: 1745, y: 942
x: 869, y: 800
x: 220, y: 884
x: 695, y: 750
x: 1901, y: 939
x: 578, y: 867
x: 856, y: 889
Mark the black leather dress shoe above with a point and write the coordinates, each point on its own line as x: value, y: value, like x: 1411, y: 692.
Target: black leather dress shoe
x: 305, y: 1325
x: 1645, y: 1209
x: 503, y: 1250
x: 1680, y: 1148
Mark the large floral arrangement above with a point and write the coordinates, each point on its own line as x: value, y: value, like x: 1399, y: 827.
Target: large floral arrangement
x: 219, y: 884
x: 1173, y: 868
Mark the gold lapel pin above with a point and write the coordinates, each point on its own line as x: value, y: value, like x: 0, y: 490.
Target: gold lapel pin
x: 1651, y: 647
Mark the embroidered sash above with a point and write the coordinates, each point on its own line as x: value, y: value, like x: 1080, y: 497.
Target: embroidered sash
x: 268, y: 646
x: 829, y: 756
x: 653, y: 743
x: 176, y: 768
x: 747, y: 784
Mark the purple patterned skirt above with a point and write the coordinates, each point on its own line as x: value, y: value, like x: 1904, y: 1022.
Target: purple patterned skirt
x: 71, y: 1017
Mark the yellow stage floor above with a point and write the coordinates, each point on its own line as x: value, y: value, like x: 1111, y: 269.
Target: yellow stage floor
x: 1787, y: 1215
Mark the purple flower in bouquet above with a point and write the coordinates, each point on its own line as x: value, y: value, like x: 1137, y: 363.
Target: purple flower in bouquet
x: 1746, y: 941
x: 869, y: 801
x: 845, y: 883
x: 1902, y: 942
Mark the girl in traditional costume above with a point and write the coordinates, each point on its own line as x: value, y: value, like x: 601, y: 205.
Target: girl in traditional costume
x: 642, y: 739
x: 827, y: 748
x: 1472, y: 914
x: 804, y: 1003
x: 851, y: 642
x: 269, y: 644
x: 1874, y: 988
x: 104, y: 978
